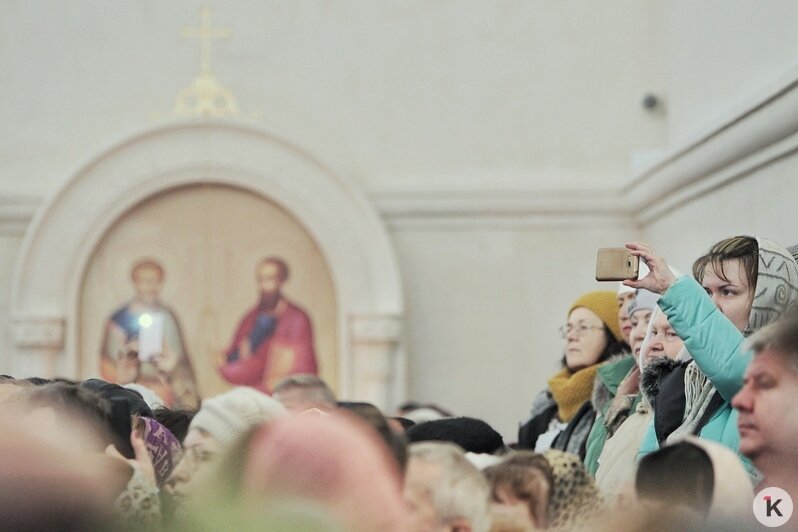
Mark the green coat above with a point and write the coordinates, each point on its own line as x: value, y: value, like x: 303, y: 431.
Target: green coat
x: 608, y: 378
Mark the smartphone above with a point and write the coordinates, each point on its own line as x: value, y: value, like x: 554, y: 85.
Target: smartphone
x: 150, y: 335
x: 616, y: 264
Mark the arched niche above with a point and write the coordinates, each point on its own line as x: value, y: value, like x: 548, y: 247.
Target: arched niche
x: 65, y: 232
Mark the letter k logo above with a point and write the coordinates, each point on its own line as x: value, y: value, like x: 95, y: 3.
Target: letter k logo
x: 772, y: 506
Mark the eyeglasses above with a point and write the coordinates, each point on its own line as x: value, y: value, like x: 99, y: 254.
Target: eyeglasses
x: 579, y: 330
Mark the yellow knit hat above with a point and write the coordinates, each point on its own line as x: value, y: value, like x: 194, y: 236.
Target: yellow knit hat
x: 605, y: 305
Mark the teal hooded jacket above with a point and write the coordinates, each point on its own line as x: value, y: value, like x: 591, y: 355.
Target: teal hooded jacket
x: 717, y: 347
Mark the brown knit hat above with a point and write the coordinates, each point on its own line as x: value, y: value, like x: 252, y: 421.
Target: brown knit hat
x: 605, y: 305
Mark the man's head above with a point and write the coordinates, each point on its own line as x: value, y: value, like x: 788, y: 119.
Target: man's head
x: 300, y: 392
x: 728, y: 272
x: 768, y: 413
x: 271, y: 273
x: 147, y: 276
x: 444, y: 491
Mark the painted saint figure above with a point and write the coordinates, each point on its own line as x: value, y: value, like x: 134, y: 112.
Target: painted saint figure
x: 169, y: 373
x: 274, y: 339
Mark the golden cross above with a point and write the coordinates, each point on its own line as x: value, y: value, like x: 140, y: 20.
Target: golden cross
x: 205, y: 33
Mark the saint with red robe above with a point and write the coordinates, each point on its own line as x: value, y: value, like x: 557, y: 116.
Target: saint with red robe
x: 273, y: 340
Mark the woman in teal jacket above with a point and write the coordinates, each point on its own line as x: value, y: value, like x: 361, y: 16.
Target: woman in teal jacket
x: 746, y: 283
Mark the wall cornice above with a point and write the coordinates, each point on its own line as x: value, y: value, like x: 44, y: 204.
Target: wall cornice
x: 748, y: 138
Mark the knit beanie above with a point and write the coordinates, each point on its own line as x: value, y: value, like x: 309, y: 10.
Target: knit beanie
x: 776, y: 285
x: 644, y: 300
x: 230, y: 414
x: 605, y: 305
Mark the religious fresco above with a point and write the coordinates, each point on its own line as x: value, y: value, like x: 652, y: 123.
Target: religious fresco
x: 206, y: 287
x: 274, y: 339
x: 143, y: 343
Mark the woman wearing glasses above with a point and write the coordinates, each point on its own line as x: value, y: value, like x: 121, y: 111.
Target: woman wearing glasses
x: 562, y: 415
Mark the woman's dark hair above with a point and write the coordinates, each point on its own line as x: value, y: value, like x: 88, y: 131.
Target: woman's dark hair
x: 176, y: 420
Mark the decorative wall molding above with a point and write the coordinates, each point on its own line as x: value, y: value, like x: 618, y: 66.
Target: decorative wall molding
x: 376, y: 328
x: 51, y: 263
x: 375, y: 342
x: 38, y: 332
x: 16, y: 213
x: 757, y: 133
x: 748, y: 138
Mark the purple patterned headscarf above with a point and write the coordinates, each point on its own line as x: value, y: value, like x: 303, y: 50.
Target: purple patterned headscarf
x: 163, y: 448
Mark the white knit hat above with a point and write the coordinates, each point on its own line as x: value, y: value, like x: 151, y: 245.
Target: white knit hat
x: 230, y: 414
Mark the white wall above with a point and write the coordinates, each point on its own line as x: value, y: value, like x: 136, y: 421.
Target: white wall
x: 760, y: 204
x: 484, y: 307
x: 395, y: 94
x: 719, y: 53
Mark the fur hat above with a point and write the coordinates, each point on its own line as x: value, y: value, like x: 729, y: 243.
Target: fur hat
x: 230, y: 414
x: 605, y: 306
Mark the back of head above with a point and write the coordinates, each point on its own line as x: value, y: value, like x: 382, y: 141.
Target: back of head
x: 733, y: 493
x: 372, y: 415
x: 175, y: 419
x: 574, y: 498
x: 529, y: 478
x: 472, y: 435
x: 76, y: 411
x: 334, y: 461
x: 46, y: 487
x: 678, y: 475
x: 458, y: 491
x: 303, y: 391
x: 228, y: 415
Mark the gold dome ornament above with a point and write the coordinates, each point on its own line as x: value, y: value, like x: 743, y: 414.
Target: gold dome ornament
x: 206, y: 97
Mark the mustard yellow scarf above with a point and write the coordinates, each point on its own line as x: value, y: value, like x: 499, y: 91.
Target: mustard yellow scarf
x: 571, y: 390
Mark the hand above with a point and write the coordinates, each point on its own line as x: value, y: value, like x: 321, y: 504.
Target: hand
x: 630, y: 385
x: 660, y: 278
x: 128, y: 364
x: 142, y: 460
x: 165, y: 361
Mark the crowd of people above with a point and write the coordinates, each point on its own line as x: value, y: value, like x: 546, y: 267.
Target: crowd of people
x: 671, y: 410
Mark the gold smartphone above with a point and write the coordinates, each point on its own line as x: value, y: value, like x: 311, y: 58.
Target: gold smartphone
x: 616, y: 264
